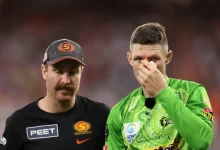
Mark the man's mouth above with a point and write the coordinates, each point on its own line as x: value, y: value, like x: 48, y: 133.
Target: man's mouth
x: 65, y: 89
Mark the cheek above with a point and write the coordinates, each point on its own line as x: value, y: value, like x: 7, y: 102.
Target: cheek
x: 136, y: 67
x: 76, y: 79
x: 160, y: 65
x: 51, y: 82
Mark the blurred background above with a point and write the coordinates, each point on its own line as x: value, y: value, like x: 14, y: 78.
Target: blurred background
x: 103, y: 29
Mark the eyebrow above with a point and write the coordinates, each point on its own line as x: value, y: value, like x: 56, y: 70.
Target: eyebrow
x: 153, y: 55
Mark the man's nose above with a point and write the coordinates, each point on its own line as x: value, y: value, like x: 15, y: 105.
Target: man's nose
x: 65, y: 78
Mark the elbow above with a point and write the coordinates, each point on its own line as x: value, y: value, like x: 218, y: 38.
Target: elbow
x: 204, y: 144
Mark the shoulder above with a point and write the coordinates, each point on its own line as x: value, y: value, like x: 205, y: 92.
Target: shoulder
x: 18, y: 115
x: 92, y: 104
x: 184, y: 84
x: 119, y: 111
x: 124, y: 103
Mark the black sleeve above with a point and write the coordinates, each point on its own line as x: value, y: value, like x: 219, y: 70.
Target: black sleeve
x: 10, y: 138
x: 105, y: 112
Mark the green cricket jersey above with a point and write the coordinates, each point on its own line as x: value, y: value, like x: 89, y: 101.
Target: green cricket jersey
x: 181, y: 119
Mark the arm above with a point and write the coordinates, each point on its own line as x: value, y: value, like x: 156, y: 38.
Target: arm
x: 10, y: 139
x: 114, y: 139
x: 194, y: 127
x: 101, y: 140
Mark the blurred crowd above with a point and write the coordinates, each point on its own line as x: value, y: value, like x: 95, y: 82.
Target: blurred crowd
x: 103, y: 30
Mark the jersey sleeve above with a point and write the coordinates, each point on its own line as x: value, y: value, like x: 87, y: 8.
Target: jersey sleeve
x: 105, y: 112
x: 10, y: 138
x: 114, y: 139
x: 194, y: 121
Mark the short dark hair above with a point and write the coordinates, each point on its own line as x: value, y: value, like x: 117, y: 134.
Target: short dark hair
x: 150, y: 33
x: 46, y: 66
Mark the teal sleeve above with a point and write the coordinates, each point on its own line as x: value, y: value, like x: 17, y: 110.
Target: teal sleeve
x: 114, y: 140
x: 190, y: 120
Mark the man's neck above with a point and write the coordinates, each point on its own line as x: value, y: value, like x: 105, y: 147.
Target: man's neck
x: 50, y: 105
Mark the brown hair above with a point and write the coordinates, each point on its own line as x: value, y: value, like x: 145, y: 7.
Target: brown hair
x: 150, y: 33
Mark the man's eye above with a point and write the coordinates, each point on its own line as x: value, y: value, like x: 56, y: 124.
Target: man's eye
x: 154, y: 59
x: 138, y: 59
x: 58, y: 70
x: 74, y: 71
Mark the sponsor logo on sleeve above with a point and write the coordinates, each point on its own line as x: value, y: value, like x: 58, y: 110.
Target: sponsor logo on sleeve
x: 45, y: 56
x: 130, y: 130
x: 3, y: 141
x: 43, y: 131
x: 106, y: 133
x: 105, y: 147
x: 208, y: 113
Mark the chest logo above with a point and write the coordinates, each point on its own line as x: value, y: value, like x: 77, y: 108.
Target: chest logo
x: 81, y: 141
x: 43, y: 131
x: 165, y: 122
x: 82, y: 127
x: 131, y: 130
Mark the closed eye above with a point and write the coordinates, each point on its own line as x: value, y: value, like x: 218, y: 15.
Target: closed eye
x: 58, y: 70
x: 74, y: 71
x: 137, y: 58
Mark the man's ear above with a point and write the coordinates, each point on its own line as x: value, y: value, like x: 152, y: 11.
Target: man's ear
x: 82, y: 68
x: 129, y: 56
x: 169, y: 56
x: 44, y: 71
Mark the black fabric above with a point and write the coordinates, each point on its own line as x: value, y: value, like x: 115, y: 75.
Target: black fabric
x: 93, y: 113
x: 150, y: 102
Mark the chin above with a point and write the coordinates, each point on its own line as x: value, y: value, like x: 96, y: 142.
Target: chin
x: 63, y: 98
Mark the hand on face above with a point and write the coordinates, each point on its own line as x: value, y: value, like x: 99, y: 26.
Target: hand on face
x: 151, y: 79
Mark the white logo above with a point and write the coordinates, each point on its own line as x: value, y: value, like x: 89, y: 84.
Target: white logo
x: 3, y: 141
x: 45, y: 56
x: 131, y: 129
x: 44, y: 131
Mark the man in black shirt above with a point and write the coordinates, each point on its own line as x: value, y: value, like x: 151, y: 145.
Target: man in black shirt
x: 62, y: 120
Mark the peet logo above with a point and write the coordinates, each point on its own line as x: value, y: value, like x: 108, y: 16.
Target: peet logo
x: 44, y: 131
x: 82, y: 127
x: 66, y: 47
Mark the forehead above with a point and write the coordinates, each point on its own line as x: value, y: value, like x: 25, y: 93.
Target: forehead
x: 67, y: 63
x: 150, y: 49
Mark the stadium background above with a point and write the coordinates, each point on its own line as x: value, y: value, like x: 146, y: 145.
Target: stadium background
x: 103, y: 29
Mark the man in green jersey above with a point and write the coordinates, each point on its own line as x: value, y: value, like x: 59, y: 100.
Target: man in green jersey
x: 164, y: 113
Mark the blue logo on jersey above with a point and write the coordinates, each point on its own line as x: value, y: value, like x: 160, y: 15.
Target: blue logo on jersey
x: 130, y: 137
x: 44, y: 131
x: 131, y: 128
